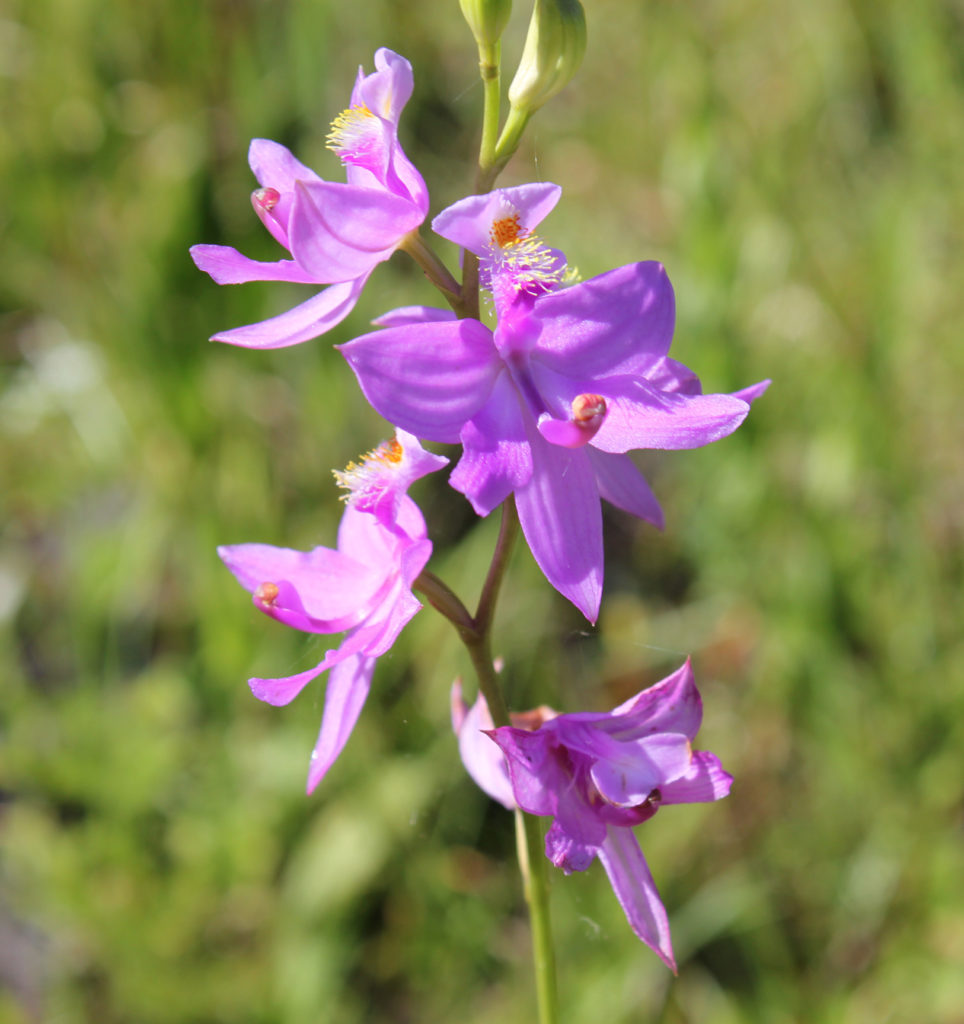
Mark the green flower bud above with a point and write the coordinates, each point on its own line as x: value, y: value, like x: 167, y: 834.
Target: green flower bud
x: 486, y: 18
x: 553, y: 51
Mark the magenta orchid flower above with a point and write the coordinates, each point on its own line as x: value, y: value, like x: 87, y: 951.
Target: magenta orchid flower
x: 362, y: 588
x: 597, y: 775
x: 499, y: 227
x: 336, y: 232
x: 548, y: 405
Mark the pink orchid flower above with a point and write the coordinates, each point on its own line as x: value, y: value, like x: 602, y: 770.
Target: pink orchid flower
x: 597, y: 775
x: 362, y: 588
x: 336, y: 232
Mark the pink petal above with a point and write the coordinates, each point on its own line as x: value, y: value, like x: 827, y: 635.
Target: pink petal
x: 364, y: 538
x: 228, y: 266
x: 561, y: 518
x: 483, y: 759
x: 566, y: 852
x: 751, y: 393
x: 706, y: 780
x: 534, y: 772
x: 334, y: 591
x: 632, y: 770
x: 468, y: 222
x: 339, y: 231
x: 366, y: 641
x: 671, y: 705
x: 410, y: 522
x: 407, y: 315
x: 345, y: 695
x: 616, y: 323
x: 580, y: 822
x: 622, y: 484
x: 667, y: 374
x: 382, y: 477
x: 428, y: 379
x: 283, y: 691
x: 275, y: 167
x: 414, y: 560
x: 385, y: 93
x: 397, y: 611
x: 307, y: 320
x: 389, y: 88
x: 565, y: 433
x: 496, y: 459
x: 640, y: 416
x: 636, y: 891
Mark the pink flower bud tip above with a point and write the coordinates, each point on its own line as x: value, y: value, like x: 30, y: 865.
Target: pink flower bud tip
x: 264, y: 200
x: 266, y: 594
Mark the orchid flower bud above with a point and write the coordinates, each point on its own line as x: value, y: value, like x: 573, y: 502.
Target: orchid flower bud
x: 486, y: 18
x: 554, y: 48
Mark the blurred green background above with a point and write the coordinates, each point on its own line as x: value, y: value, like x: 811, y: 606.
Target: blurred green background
x: 798, y: 167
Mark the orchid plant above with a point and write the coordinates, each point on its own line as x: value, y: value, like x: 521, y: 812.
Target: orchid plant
x: 545, y: 406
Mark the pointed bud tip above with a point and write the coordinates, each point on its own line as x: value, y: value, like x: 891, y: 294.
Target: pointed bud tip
x: 264, y: 200
x: 553, y: 51
x: 486, y: 18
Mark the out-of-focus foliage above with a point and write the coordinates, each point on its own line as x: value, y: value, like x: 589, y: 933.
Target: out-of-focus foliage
x: 798, y: 169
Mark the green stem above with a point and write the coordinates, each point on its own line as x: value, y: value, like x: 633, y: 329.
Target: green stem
x: 511, y: 135
x: 475, y: 632
x: 444, y: 600
x: 532, y: 863
x: 470, y: 283
x: 434, y: 269
x: 480, y: 651
x: 490, y: 67
x: 508, y: 531
x: 508, y: 143
x: 490, y: 61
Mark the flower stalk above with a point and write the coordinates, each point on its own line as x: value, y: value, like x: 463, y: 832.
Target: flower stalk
x: 476, y: 632
x: 490, y: 70
x: 490, y: 65
x: 530, y: 846
x: 435, y: 270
